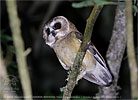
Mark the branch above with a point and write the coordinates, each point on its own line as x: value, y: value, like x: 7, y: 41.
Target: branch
x: 130, y: 50
x: 115, y: 53
x: 3, y: 85
x: 15, y: 25
x: 3, y: 75
x: 75, y: 70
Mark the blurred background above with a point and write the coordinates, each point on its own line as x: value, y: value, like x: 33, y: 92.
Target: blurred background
x: 46, y: 73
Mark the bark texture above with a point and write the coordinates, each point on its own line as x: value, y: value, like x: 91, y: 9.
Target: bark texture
x: 115, y: 54
x: 130, y: 50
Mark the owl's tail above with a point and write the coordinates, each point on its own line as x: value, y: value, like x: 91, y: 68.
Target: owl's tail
x: 99, y: 75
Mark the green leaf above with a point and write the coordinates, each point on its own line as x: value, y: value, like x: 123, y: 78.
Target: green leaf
x: 135, y: 9
x: 11, y: 48
x: 104, y: 2
x: 4, y: 37
x: 88, y: 3
x: 13, y: 65
x: 83, y: 4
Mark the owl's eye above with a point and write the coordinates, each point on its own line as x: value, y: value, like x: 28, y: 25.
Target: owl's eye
x: 57, y: 25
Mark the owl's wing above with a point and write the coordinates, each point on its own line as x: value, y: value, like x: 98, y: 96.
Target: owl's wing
x: 100, y: 74
x: 97, y: 55
x: 79, y: 36
x: 92, y: 50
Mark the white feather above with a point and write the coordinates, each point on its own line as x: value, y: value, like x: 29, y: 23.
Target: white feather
x: 63, y: 65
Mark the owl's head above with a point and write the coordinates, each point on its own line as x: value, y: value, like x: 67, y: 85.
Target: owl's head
x: 55, y: 29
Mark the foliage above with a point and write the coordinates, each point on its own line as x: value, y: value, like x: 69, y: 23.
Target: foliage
x: 88, y: 3
x: 5, y: 40
x: 135, y: 9
x: 83, y: 4
x: 4, y: 37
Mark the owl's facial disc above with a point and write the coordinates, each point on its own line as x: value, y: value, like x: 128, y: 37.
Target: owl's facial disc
x: 49, y: 35
x: 54, y: 30
x: 52, y: 33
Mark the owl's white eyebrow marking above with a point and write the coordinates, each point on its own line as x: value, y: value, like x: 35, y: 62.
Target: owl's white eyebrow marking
x: 46, y: 26
x: 52, y: 23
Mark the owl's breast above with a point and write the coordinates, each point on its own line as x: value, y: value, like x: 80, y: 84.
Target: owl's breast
x: 67, y: 49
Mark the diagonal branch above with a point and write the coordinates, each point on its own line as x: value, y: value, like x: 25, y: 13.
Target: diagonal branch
x: 81, y: 53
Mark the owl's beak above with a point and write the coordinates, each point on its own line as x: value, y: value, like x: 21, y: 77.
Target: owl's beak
x: 49, y: 31
x: 49, y: 36
x: 53, y: 33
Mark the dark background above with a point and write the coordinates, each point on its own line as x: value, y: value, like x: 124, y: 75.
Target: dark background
x: 47, y: 74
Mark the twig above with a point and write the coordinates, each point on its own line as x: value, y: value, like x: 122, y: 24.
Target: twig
x: 75, y: 70
x: 130, y: 50
x: 27, y: 51
x: 15, y: 25
x: 115, y: 54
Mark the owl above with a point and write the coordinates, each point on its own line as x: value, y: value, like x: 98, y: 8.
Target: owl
x: 62, y: 35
